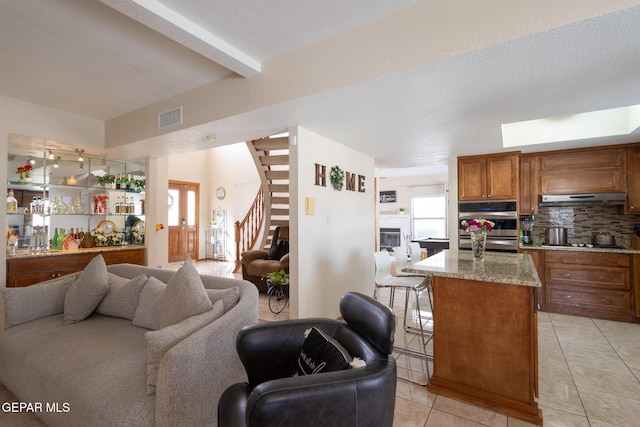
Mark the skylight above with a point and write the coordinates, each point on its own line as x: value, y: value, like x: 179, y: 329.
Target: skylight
x: 615, y: 121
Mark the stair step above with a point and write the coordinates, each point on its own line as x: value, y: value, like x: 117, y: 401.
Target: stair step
x: 266, y: 144
x: 279, y: 212
x: 282, y: 159
x: 280, y: 222
x: 271, y: 174
x: 279, y: 188
x: 280, y: 200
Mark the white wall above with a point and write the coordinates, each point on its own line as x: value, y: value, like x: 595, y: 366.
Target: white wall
x: 23, y: 118
x: 332, y: 251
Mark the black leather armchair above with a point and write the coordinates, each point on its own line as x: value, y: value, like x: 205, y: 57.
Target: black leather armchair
x: 358, y: 397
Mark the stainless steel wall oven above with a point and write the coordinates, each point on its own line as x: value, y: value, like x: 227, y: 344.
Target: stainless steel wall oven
x: 504, y: 236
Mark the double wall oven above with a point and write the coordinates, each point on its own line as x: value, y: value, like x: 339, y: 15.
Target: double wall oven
x: 504, y: 236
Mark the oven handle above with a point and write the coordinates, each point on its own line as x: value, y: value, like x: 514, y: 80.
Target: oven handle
x: 488, y: 215
x: 497, y: 242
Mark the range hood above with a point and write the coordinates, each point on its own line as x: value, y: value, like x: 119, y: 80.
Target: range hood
x: 588, y: 199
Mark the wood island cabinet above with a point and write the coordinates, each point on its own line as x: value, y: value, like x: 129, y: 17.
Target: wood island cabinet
x: 598, y: 170
x: 538, y: 261
x: 26, y: 271
x: 592, y: 284
x: 493, y: 176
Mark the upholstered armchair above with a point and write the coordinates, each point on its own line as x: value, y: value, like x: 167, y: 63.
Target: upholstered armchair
x: 257, y: 262
x: 354, y: 396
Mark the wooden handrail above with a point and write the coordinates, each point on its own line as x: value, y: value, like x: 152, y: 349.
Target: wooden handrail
x: 248, y: 230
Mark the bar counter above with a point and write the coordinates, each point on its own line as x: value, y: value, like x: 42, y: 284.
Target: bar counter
x: 485, y: 336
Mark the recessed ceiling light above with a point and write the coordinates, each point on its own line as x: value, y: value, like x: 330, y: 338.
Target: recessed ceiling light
x: 594, y: 124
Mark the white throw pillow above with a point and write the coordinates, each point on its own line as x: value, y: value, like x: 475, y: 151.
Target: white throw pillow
x: 184, y: 296
x: 144, y: 316
x: 123, y: 296
x: 159, y: 342
x: 86, y: 292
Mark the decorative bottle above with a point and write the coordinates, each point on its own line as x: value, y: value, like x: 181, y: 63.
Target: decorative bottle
x: 12, y: 203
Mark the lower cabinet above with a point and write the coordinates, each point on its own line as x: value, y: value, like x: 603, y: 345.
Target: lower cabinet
x: 30, y: 270
x: 592, y: 284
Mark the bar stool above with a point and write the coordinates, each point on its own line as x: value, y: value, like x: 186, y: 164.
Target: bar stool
x: 410, y: 284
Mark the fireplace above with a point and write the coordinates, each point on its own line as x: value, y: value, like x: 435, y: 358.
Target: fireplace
x: 390, y: 238
x: 394, y: 231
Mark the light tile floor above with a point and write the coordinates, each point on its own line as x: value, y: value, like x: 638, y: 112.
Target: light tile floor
x: 589, y: 373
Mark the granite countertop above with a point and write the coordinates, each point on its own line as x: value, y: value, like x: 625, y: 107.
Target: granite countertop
x: 25, y: 253
x: 497, y: 267
x: 538, y: 246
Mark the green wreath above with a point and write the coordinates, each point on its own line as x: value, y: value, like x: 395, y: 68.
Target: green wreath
x: 337, y: 177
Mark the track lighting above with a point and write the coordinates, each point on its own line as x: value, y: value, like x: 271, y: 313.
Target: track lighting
x: 80, y: 152
x: 55, y: 163
x: 32, y: 160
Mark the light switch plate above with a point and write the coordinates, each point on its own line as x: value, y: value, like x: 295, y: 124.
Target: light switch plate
x: 309, y: 206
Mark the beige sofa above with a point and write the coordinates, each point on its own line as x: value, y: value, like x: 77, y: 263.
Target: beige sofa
x: 96, y: 371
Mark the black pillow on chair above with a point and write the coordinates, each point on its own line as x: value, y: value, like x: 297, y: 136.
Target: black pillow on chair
x: 277, y: 252
x: 321, y: 353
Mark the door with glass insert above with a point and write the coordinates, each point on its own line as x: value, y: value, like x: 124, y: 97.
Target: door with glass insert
x: 184, y: 204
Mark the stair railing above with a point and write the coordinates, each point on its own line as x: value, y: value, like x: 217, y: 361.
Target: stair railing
x: 248, y: 230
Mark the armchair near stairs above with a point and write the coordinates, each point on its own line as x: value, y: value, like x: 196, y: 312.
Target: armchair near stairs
x: 258, y: 262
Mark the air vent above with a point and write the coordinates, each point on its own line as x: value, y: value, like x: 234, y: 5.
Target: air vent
x: 170, y: 117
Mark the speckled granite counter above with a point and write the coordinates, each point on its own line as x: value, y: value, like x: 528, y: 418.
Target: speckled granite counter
x: 497, y: 267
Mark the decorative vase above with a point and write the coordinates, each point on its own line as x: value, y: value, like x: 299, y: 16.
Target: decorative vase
x: 87, y: 240
x: 478, y: 243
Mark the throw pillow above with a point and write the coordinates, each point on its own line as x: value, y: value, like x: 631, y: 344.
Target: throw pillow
x: 123, y: 296
x: 321, y: 353
x: 86, y: 292
x: 37, y: 301
x: 159, y: 342
x: 144, y: 316
x: 229, y: 297
x: 184, y: 296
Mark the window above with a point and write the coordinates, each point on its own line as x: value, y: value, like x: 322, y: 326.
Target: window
x: 429, y: 216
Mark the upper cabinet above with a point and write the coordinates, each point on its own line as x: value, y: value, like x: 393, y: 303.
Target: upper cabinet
x: 529, y: 184
x: 600, y: 170
x: 633, y: 181
x: 488, y: 177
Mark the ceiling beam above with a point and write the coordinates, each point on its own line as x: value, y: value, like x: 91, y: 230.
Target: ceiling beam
x: 167, y: 22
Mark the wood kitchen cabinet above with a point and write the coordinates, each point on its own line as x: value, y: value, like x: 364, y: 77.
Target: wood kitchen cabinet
x: 25, y: 271
x: 493, y: 176
x: 529, y: 184
x: 633, y: 181
x: 598, y: 170
x: 591, y: 284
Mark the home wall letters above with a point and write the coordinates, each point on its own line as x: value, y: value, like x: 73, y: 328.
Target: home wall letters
x: 352, y: 181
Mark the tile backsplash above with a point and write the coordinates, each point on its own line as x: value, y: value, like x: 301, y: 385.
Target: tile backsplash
x: 582, y: 221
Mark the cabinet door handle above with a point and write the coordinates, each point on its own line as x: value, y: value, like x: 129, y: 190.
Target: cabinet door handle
x: 566, y: 274
x: 607, y: 301
x: 489, y: 196
x: 566, y: 296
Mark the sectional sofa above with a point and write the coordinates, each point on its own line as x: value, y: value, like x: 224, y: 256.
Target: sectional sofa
x: 78, y: 354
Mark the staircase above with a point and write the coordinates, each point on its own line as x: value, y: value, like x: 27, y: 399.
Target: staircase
x: 271, y: 206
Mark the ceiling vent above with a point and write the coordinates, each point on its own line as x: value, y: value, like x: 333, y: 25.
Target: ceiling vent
x: 171, y: 117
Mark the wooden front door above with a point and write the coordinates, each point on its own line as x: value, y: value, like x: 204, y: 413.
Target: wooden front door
x: 184, y: 205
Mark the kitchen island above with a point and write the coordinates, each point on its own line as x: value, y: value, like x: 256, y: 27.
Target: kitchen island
x: 485, y: 338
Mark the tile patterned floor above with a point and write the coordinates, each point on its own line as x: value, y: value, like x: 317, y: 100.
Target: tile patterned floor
x: 589, y: 374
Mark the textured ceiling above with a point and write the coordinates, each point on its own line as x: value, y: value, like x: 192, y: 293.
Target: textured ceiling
x: 87, y: 58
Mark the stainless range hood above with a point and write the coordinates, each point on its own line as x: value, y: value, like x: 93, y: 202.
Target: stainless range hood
x: 590, y: 199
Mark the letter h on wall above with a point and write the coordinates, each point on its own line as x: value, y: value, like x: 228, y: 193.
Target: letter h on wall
x: 321, y: 175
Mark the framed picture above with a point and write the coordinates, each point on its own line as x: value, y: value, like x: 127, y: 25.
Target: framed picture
x: 388, y: 196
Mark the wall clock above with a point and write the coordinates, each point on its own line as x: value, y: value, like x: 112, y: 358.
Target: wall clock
x: 220, y: 193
